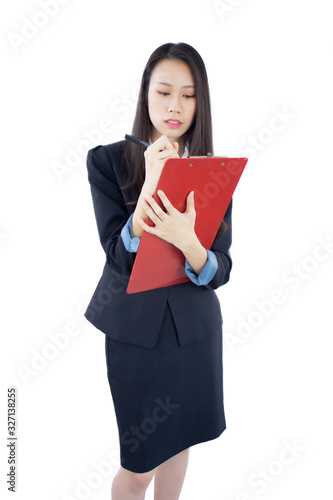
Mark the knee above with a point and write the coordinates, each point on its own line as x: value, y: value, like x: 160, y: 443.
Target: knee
x: 140, y: 481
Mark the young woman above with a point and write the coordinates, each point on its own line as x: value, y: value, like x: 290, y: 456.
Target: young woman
x: 163, y: 346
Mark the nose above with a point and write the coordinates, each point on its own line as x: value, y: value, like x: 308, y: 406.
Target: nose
x: 174, y: 105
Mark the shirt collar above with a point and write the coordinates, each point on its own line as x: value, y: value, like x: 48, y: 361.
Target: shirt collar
x: 186, y: 152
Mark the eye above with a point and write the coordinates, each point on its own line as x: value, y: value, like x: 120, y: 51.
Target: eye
x: 163, y: 93
x: 189, y: 96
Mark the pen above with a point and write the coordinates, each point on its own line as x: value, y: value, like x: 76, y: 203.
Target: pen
x: 137, y: 141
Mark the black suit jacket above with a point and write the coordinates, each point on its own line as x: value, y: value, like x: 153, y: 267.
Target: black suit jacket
x: 136, y: 318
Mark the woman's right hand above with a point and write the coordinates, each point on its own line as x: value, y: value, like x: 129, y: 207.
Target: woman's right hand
x: 155, y: 157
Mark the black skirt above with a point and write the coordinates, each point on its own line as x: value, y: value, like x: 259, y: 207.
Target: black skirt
x: 166, y: 399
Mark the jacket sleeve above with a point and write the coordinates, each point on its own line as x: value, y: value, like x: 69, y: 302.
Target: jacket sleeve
x: 221, y: 248
x: 110, y: 210
x: 207, y: 272
x: 131, y: 242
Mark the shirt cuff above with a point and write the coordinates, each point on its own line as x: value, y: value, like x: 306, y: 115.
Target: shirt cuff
x: 207, y: 273
x: 131, y: 243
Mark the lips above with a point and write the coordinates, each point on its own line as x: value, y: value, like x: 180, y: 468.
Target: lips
x: 173, y: 123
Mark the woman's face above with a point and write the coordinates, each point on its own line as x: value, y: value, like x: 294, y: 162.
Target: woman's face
x: 171, y: 99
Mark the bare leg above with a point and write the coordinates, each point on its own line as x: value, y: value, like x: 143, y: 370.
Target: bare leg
x: 129, y: 485
x: 170, y: 475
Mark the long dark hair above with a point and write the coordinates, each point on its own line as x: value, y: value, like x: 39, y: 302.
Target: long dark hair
x: 199, y: 137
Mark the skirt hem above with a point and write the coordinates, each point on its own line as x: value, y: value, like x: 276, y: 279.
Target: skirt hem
x: 168, y: 456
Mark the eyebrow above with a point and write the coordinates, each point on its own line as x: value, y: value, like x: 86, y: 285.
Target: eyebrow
x: 169, y: 85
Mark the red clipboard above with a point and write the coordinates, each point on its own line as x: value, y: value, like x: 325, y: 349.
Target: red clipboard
x: 213, y: 179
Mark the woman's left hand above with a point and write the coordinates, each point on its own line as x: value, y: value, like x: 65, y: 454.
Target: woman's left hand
x: 172, y: 226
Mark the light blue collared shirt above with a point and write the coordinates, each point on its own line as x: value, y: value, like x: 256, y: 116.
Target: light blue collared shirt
x: 131, y: 243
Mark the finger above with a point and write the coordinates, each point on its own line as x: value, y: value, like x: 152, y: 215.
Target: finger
x: 150, y: 212
x: 161, y: 155
x: 145, y: 226
x: 190, y: 201
x: 154, y: 207
x: 191, y: 197
x: 176, y: 146
x: 161, y: 149
x: 166, y: 202
x: 163, y: 143
x: 167, y: 153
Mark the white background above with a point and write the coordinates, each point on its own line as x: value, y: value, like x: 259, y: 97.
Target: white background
x: 61, y: 80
